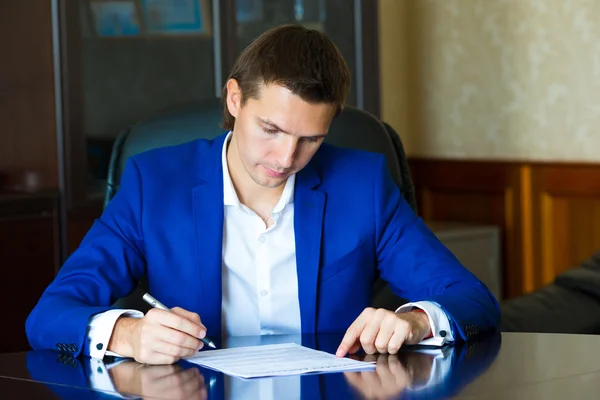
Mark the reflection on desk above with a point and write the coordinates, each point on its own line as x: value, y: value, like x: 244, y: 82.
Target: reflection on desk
x: 411, y: 374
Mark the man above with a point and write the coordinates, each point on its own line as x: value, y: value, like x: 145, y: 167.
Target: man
x: 264, y: 230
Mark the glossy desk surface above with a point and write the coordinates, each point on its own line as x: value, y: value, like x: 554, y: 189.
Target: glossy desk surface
x: 503, y: 366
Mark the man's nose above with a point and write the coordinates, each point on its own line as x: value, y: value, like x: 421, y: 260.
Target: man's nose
x: 288, y: 152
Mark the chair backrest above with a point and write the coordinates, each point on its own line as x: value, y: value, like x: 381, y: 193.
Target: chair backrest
x: 353, y: 128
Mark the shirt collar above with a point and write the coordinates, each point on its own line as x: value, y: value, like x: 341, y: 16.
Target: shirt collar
x: 230, y: 197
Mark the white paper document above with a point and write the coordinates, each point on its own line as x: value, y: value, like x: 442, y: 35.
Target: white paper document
x: 274, y: 360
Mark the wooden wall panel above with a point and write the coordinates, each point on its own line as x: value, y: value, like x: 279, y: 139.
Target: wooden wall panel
x: 549, y: 213
x: 568, y: 216
x: 475, y: 192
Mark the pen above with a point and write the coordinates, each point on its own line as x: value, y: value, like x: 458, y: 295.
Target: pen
x: 157, y: 304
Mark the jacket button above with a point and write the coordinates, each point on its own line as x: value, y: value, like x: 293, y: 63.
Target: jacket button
x: 99, y: 346
x: 443, y: 333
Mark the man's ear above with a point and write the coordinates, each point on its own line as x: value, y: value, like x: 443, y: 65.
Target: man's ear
x: 234, y: 97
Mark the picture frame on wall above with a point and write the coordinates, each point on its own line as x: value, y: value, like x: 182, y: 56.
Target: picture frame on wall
x: 115, y: 18
x: 175, y: 17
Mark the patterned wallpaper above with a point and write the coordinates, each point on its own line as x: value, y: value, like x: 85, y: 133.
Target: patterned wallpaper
x: 493, y: 79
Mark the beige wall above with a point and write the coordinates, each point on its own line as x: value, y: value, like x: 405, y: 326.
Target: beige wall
x: 493, y: 79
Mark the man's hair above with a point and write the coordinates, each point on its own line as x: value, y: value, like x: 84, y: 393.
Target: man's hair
x: 302, y: 60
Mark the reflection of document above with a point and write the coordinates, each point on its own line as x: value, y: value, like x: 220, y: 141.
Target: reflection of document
x: 274, y: 360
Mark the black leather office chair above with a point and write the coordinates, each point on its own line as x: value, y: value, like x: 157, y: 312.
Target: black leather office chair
x: 353, y: 128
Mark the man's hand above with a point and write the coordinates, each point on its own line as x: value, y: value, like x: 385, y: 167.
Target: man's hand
x: 161, y: 337
x: 383, y: 331
x: 159, y: 381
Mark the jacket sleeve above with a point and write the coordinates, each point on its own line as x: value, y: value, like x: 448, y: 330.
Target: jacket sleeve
x: 418, y: 267
x: 105, y: 267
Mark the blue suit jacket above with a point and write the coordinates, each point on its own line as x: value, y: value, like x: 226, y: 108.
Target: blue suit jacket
x: 351, y: 223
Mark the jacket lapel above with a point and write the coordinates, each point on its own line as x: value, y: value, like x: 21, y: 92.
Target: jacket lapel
x: 309, y: 205
x: 208, y: 217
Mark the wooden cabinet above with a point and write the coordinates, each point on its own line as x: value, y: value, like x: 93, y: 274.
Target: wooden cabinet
x: 28, y: 260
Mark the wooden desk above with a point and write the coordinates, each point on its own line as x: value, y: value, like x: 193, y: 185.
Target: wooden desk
x: 507, y: 366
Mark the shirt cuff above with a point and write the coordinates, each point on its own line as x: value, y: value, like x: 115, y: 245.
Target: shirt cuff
x: 100, y: 328
x: 438, y: 321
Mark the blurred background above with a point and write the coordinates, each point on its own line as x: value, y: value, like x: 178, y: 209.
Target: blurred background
x: 495, y: 101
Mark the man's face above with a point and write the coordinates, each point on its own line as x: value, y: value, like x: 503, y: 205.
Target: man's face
x: 278, y: 133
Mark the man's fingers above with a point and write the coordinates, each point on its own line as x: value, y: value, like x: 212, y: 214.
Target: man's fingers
x: 179, y: 339
x: 367, y: 340
x: 353, y: 333
x: 354, y: 348
x: 386, y: 330
x: 171, y: 349
x: 192, y: 316
x: 380, y: 331
x: 396, y: 341
x: 177, y: 322
x: 165, y: 336
x: 348, y: 342
x: 371, y: 330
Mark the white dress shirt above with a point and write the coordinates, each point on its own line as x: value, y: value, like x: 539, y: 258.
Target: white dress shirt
x: 260, y: 283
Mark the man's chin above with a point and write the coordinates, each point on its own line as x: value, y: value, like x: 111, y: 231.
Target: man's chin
x: 271, y: 182
x: 275, y: 183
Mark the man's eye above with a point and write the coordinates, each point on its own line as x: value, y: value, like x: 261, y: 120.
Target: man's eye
x: 311, y: 140
x: 270, y: 131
